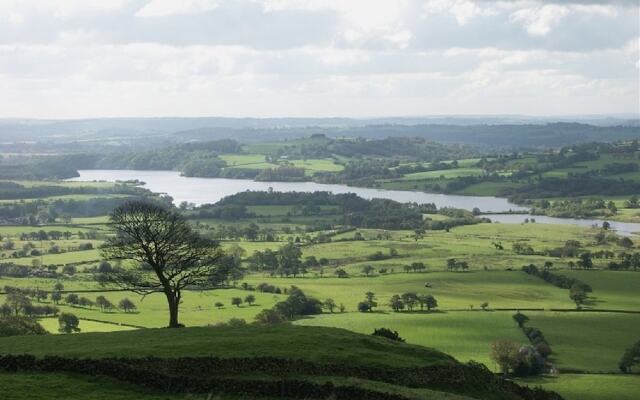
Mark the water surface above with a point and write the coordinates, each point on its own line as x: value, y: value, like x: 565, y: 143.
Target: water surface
x: 210, y: 190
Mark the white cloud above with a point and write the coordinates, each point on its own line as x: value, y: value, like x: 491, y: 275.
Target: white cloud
x: 161, y: 8
x: 462, y: 10
x: 539, y: 20
x: 316, y: 57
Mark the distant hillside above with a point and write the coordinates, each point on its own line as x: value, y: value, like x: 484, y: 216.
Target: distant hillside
x: 502, y: 132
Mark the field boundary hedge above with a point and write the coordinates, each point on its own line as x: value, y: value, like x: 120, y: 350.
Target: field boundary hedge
x: 206, y: 374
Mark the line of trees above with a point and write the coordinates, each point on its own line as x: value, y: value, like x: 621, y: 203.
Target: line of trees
x: 411, y: 300
x: 457, y: 265
x: 578, y: 290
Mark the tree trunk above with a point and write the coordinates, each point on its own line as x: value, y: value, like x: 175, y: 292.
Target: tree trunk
x: 173, y: 310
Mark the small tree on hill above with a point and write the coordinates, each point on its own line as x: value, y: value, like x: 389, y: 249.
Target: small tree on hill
x: 170, y: 256
x: 396, y: 303
x: 84, y: 302
x: 371, y: 300
x: 17, y: 300
x: 410, y: 300
x: 578, y: 295
x: 219, y: 305
x: 101, y: 301
x: 329, y: 304
x: 630, y: 358
x: 236, y: 301
x: 127, y: 305
x: 40, y: 295
x: 504, y: 352
x: 72, y: 299
x: 341, y: 273
x: 68, y: 323
x: 520, y: 319
x: 368, y: 270
x: 56, y: 296
x: 250, y: 299
x: 429, y: 301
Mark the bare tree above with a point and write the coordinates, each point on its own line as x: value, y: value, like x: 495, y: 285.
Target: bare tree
x: 169, y: 256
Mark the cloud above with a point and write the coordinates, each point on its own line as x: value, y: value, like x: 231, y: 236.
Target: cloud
x: 540, y: 20
x: 160, y: 8
x: 323, y: 57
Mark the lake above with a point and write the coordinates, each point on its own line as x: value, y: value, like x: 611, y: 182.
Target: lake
x: 210, y: 190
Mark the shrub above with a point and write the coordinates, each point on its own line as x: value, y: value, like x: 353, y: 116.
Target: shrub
x: 237, y: 322
x: 269, y: 317
x: 388, y: 333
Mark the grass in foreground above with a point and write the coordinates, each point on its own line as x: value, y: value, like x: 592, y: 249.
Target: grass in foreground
x: 46, y: 386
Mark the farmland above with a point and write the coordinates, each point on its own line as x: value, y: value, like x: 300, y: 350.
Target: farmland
x: 470, y: 266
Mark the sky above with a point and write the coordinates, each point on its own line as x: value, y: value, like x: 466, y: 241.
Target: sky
x: 321, y: 58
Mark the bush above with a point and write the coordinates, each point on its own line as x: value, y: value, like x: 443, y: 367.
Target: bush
x: 298, y: 304
x: 363, y: 306
x: 236, y: 322
x: 269, y: 317
x: 388, y: 333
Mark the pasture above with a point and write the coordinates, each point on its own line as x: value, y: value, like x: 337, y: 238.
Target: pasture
x: 589, y: 386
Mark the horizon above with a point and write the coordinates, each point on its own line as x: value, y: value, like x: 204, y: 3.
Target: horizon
x: 553, y: 118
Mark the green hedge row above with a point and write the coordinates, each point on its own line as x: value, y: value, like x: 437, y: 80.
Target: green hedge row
x: 211, y: 374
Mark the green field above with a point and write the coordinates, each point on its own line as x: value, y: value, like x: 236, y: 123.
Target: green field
x: 317, y: 165
x: 244, y: 160
x: 198, y: 309
x: 453, y: 290
x: 63, y: 258
x: 586, y: 166
x: 612, y: 290
x: 590, y: 387
x: 588, y: 341
x: 464, y: 335
x: 51, y: 325
x: 445, y: 173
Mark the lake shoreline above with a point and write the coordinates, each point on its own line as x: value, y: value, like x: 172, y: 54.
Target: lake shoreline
x: 201, y: 191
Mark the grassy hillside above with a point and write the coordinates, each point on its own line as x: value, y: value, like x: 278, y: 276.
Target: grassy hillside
x: 344, y: 361
x: 307, y: 343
